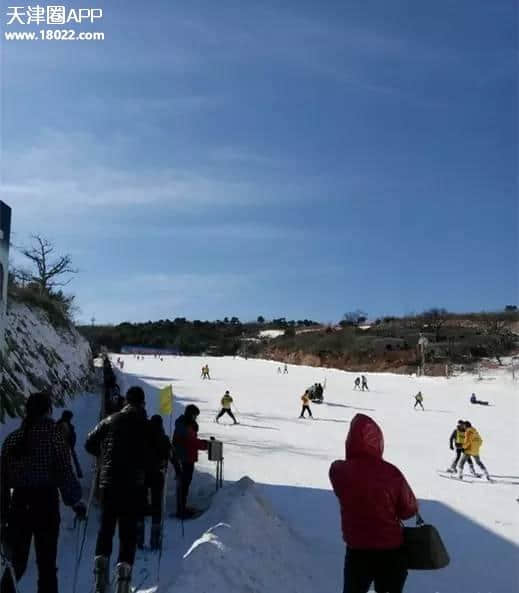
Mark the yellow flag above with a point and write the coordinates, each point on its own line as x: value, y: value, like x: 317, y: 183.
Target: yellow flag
x: 166, y: 400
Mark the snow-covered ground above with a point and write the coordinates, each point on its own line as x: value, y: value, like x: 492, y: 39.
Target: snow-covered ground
x: 282, y: 532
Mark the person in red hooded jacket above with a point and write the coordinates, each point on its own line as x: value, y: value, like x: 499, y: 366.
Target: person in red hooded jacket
x: 374, y: 498
x: 185, y: 447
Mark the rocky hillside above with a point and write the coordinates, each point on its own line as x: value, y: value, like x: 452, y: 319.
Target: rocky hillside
x: 40, y: 356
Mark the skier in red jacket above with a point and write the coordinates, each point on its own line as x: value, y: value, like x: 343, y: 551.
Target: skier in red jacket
x: 186, y: 445
x: 374, y: 497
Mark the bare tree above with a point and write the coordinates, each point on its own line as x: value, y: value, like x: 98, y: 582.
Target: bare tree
x: 353, y: 317
x: 19, y: 276
x: 50, y: 269
x: 496, y: 327
x: 435, y: 318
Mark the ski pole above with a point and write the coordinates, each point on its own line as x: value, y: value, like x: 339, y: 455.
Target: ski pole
x: 79, y: 553
x: 164, y: 495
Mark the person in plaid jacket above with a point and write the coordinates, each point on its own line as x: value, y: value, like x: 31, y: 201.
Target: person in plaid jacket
x: 35, y: 469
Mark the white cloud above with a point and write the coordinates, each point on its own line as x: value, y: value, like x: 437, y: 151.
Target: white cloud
x: 69, y: 171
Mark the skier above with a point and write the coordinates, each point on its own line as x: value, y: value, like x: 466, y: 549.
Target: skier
x: 418, y: 400
x: 471, y: 447
x: 69, y: 434
x: 364, y: 383
x: 226, y: 407
x: 160, y: 449
x: 121, y: 443
x: 35, y: 466
x: 279, y: 370
x: 115, y: 401
x: 374, y: 498
x: 356, y: 384
x: 475, y: 400
x: 305, y: 398
x: 285, y: 369
x: 319, y: 392
x: 456, y: 440
x: 207, y: 375
x: 186, y: 445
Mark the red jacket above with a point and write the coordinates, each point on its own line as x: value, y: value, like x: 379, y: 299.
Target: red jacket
x: 373, y: 494
x: 186, y: 443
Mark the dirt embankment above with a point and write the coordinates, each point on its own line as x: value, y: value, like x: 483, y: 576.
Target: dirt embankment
x: 403, y: 362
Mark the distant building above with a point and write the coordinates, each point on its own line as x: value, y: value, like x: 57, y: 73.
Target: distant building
x: 5, y: 236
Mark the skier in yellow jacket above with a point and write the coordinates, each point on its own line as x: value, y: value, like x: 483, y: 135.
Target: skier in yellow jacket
x: 305, y: 398
x: 471, y: 447
x: 456, y: 441
x: 226, y: 402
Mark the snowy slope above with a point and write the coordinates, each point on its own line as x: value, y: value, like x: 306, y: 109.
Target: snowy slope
x: 41, y: 356
x: 284, y: 532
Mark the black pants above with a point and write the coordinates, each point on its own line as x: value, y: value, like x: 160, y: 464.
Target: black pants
x: 186, y: 477
x: 386, y: 567
x: 417, y: 403
x: 34, y: 513
x: 459, y: 454
x: 226, y: 411
x: 155, y: 486
x: 123, y: 507
x: 306, y: 409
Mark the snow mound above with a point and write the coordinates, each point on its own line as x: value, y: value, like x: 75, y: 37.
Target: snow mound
x: 247, y: 549
x: 271, y: 333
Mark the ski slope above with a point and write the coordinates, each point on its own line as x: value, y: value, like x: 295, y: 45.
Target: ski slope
x: 280, y: 530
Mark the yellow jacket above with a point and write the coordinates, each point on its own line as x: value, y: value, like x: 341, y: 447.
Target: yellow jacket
x: 226, y: 402
x: 460, y: 437
x: 305, y: 399
x: 473, y: 441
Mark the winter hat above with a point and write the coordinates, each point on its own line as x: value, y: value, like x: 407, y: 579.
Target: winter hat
x: 192, y: 411
x: 135, y: 396
x: 67, y: 415
x: 38, y: 405
x: 156, y: 420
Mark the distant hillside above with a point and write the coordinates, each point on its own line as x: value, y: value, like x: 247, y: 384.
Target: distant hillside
x: 392, y: 344
x: 225, y: 337
x: 385, y: 344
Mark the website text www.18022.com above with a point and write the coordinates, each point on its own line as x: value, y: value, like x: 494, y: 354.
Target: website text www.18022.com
x: 54, y: 35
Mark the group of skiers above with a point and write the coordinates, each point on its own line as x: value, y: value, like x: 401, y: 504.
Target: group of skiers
x: 466, y: 440
x: 285, y: 370
x: 132, y: 455
x: 361, y: 383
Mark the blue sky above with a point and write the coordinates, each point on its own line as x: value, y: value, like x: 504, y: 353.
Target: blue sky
x: 298, y: 159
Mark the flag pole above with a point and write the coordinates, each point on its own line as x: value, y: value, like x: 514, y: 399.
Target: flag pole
x: 165, y: 493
